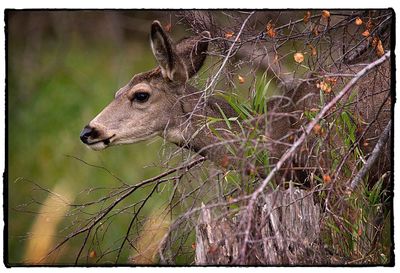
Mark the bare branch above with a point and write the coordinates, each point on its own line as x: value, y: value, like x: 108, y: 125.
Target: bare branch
x: 379, y: 147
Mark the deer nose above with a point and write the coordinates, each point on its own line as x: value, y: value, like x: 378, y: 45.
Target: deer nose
x: 88, y: 132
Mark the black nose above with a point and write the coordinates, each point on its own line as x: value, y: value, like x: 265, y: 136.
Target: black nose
x: 86, y: 133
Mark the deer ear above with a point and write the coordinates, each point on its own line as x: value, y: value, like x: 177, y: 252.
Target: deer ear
x: 165, y: 52
x: 193, y: 51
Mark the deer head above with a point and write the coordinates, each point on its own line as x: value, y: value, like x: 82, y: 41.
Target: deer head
x: 152, y: 103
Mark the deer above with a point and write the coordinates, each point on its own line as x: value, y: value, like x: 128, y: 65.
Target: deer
x: 161, y: 102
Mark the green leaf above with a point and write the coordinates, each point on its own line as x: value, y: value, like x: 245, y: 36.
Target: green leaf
x: 260, y: 97
x: 228, y: 123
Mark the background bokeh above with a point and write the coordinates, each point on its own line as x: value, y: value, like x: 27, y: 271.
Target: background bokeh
x: 63, y: 67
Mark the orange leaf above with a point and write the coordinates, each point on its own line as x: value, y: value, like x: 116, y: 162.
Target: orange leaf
x: 326, y: 14
x: 194, y: 246
x: 332, y: 80
x: 229, y: 34
x: 325, y: 86
x: 241, y: 79
x: 375, y: 41
x: 306, y: 17
x: 379, y: 49
x: 317, y: 129
x: 358, y: 21
x: 92, y: 254
x: 365, y: 33
x: 327, y: 179
x: 298, y: 57
x: 271, y: 30
x: 313, y: 50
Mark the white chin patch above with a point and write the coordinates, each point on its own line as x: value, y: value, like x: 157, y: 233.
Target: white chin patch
x: 97, y: 146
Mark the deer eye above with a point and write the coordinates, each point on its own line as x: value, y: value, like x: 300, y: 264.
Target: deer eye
x: 141, y: 97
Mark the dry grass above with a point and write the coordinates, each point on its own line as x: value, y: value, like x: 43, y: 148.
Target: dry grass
x: 44, y: 230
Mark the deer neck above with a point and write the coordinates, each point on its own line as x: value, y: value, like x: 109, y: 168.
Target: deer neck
x: 197, y: 137
x: 192, y: 132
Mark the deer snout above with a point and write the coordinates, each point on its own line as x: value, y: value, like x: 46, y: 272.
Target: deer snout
x: 88, y: 132
x: 95, y: 138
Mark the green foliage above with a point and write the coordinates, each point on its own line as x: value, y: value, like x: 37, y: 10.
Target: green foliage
x: 260, y: 98
x: 248, y: 110
x: 357, y: 226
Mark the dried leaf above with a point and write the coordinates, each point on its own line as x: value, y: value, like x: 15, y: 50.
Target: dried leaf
x: 358, y: 21
x: 327, y: 179
x: 225, y: 161
x: 194, y: 246
x: 365, y: 33
x: 229, y: 34
x: 375, y: 41
x: 271, y: 30
x: 92, y: 254
x: 379, y: 49
x: 326, y: 14
x: 332, y: 80
x: 298, y: 57
x: 213, y: 248
x: 370, y: 24
x: 241, y: 79
x: 315, y: 30
x: 230, y: 199
x: 325, y: 86
x: 306, y: 17
x: 168, y: 27
x: 313, y: 50
x: 317, y: 129
x: 251, y: 170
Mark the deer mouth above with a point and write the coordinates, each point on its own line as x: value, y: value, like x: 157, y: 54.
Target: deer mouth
x: 100, y: 144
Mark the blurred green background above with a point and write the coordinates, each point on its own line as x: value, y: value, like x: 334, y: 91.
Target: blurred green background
x: 63, y: 68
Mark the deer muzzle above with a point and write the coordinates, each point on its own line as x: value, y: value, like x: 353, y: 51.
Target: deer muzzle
x: 92, y: 137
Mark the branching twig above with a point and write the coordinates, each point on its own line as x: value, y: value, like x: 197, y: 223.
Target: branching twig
x: 92, y: 223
